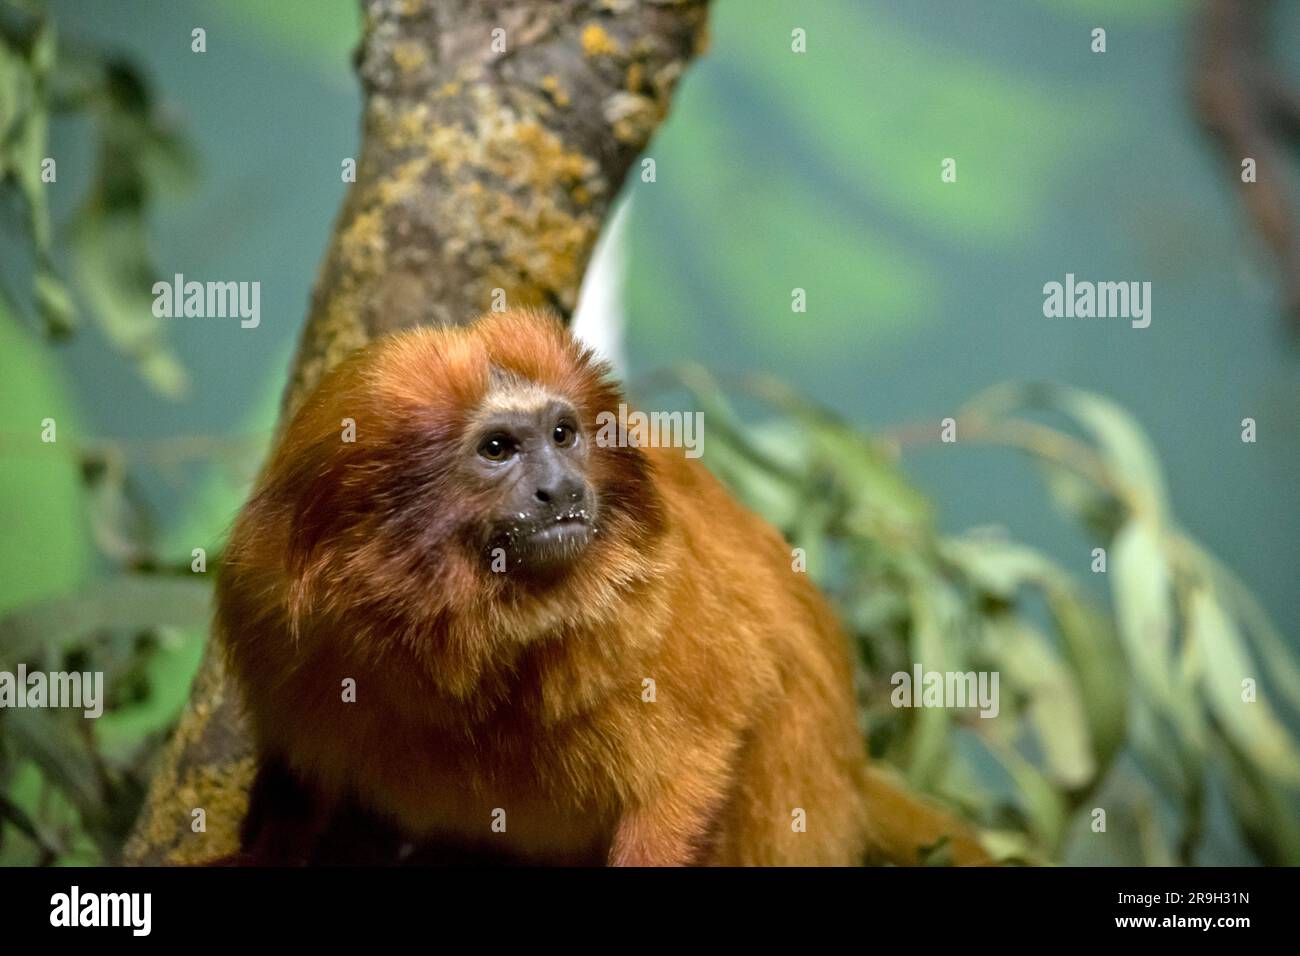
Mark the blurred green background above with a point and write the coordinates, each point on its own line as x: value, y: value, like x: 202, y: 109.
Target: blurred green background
x: 775, y: 171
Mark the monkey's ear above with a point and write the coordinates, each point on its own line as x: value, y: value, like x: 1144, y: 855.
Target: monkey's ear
x: 309, y: 547
x: 308, y: 493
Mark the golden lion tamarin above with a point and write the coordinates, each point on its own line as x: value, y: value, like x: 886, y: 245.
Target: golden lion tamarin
x: 448, y: 604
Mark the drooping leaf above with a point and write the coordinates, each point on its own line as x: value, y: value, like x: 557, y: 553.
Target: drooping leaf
x: 1041, y: 803
x: 1139, y: 576
x: 1121, y: 443
x: 1251, y: 724
x: 1029, y: 666
x: 114, y: 275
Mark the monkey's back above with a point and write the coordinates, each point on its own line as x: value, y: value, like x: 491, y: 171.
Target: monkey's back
x: 759, y: 639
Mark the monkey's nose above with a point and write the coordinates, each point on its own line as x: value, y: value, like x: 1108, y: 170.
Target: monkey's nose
x: 563, y: 492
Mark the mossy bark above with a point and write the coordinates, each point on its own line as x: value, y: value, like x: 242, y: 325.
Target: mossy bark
x: 481, y: 169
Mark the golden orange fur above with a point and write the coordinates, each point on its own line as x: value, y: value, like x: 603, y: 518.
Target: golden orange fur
x: 479, y: 692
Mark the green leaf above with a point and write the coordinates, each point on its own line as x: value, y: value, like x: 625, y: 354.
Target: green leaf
x: 997, y: 566
x: 1092, y: 507
x: 1279, y: 659
x: 1039, y: 800
x: 113, y: 273
x: 1252, y: 725
x: 1263, y: 810
x: 54, y: 304
x: 1090, y: 701
x: 47, y: 737
x: 1094, y: 652
x: 936, y: 621
x: 1140, y: 581
x: 1056, y: 713
x: 43, y: 49
x: 1122, y: 444
x: 117, y: 519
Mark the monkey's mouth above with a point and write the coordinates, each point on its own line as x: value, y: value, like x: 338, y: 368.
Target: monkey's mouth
x: 574, y: 528
x: 553, y: 539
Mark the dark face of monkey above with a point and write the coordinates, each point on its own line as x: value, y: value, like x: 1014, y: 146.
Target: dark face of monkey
x: 527, y: 448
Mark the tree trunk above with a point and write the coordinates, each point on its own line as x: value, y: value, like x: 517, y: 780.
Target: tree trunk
x: 484, y: 172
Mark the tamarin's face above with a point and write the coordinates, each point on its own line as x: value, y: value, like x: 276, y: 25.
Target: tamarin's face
x: 529, y: 447
x: 440, y: 467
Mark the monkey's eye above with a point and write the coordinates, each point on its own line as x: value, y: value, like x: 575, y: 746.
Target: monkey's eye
x: 564, y: 434
x: 496, y: 448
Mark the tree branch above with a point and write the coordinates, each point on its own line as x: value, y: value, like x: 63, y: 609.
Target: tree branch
x: 1248, y: 108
